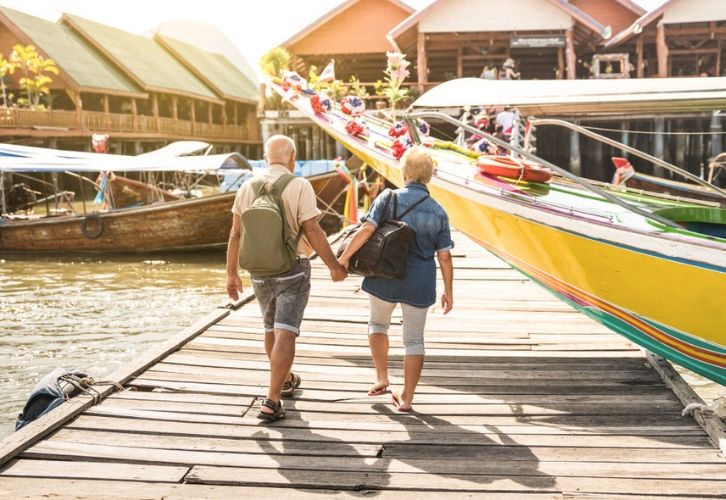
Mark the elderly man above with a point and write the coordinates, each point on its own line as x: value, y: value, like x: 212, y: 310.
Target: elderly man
x: 282, y: 297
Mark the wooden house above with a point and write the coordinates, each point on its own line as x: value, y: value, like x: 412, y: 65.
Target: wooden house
x: 140, y: 91
x: 353, y: 34
x: 679, y: 38
x: 547, y: 38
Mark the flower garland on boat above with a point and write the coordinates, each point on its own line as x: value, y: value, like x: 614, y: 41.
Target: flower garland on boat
x: 357, y: 127
x: 400, y: 128
x: 321, y: 103
x: 400, y: 145
x: 291, y: 80
x: 352, y: 105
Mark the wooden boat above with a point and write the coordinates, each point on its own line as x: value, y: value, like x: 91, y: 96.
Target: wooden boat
x: 180, y: 224
x: 650, y: 268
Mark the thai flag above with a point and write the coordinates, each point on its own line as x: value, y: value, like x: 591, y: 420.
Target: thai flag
x: 328, y: 74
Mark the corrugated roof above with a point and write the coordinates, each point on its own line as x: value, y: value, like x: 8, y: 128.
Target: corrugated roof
x: 85, y: 68
x: 144, y: 60
x: 214, y: 69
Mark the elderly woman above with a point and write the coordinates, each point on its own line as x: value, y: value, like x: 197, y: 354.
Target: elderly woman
x: 417, y: 291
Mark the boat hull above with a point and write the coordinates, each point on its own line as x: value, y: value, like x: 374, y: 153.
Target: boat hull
x: 191, y: 224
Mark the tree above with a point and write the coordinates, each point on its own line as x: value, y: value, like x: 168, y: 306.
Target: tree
x: 36, y: 70
x: 7, y: 67
x: 275, y: 62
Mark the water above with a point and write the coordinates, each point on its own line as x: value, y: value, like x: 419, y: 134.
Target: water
x: 94, y: 314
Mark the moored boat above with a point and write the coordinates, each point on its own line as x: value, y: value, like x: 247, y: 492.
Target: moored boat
x: 623, y: 260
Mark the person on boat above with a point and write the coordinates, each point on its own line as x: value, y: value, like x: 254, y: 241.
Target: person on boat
x: 417, y: 291
x: 508, y: 72
x: 505, y: 119
x: 282, y: 297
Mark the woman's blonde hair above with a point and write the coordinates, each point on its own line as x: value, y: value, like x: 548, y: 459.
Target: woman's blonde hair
x: 418, y: 166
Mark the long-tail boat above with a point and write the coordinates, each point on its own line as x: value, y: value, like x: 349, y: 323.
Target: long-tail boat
x: 162, y: 223
x: 646, y: 265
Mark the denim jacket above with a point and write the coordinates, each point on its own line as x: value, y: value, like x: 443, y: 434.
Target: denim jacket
x: 433, y: 234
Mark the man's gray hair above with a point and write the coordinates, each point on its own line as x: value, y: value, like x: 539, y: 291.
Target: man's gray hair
x: 279, y: 147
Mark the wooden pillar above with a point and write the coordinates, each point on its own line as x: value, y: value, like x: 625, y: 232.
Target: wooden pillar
x: 194, y: 115
x: 624, y: 136
x: 662, y: 50
x: 718, y: 59
x: 79, y: 110
x: 155, y: 110
x: 570, y: 54
x: 680, y: 159
x: 560, y: 63
x: 658, y: 145
x: 175, y: 107
x: 459, y: 63
x: 134, y: 114
x: 106, y: 111
x: 422, y: 62
x: 716, y: 130
x: 235, y: 115
x: 575, y: 164
x: 210, y: 112
x: 640, y: 73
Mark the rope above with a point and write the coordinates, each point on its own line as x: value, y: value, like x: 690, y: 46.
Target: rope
x: 647, y: 132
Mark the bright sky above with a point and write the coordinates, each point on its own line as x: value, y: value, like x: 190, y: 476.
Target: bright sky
x: 255, y: 26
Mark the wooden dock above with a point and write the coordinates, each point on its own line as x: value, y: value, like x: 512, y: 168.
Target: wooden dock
x: 521, y: 397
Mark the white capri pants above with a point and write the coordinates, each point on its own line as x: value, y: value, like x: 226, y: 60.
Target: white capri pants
x: 414, y: 321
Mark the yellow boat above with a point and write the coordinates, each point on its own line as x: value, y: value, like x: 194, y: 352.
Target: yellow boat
x: 646, y: 266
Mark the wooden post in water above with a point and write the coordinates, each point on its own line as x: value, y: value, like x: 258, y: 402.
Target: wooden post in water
x: 3, y: 204
x: 716, y: 130
x: 575, y: 165
x: 658, y: 149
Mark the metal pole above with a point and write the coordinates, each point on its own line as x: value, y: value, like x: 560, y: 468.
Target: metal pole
x: 564, y: 173
x: 3, y: 204
x: 631, y: 150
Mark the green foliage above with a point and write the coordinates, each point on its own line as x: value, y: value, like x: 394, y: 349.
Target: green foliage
x: 7, y: 67
x: 357, y: 89
x: 275, y: 62
x: 335, y: 89
x: 396, y: 72
x: 36, y: 78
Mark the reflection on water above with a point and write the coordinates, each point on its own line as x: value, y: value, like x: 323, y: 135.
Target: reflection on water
x: 94, y: 313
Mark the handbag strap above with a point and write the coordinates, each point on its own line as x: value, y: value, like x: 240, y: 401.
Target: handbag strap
x: 409, y: 209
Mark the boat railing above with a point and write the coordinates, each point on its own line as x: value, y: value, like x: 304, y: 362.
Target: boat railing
x: 526, y: 154
x: 629, y: 149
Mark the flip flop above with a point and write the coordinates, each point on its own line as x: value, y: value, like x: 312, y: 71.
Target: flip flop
x: 377, y: 392
x: 396, y: 398
x: 288, y: 388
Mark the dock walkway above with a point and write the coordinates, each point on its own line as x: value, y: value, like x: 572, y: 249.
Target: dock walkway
x: 521, y: 397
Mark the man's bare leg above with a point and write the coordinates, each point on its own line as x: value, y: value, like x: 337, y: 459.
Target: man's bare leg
x: 282, y: 356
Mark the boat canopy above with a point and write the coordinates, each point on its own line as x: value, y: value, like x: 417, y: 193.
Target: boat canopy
x: 578, y: 97
x: 95, y: 162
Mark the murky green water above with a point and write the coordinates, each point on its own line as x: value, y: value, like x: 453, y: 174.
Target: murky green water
x: 94, y: 314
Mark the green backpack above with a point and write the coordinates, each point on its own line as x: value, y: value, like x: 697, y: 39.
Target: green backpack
x: 266, y: 246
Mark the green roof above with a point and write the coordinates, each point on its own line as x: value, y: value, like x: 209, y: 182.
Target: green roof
x: 215, y: 69
x: 81, y: 62
x: 143, y: 59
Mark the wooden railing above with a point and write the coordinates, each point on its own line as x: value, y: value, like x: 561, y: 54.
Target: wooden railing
x: 98, y: 121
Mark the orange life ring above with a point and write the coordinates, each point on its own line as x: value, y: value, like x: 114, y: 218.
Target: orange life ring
x: 505, y: 166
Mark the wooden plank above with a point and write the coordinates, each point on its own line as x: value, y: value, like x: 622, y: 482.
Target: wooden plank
x: 711, y: 423
x: 19, y: 488
x: 372, y: 479
x: 36, y: 430
x: 94, y: 470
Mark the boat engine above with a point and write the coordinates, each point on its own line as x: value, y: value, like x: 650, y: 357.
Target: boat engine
x: 20, y: 197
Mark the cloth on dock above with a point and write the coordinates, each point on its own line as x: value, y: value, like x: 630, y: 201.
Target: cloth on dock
x: 49, y: 393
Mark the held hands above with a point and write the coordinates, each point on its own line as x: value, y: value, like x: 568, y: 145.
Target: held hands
x: 234, y: 286
x: 338, y: 272
x: 447, y: 301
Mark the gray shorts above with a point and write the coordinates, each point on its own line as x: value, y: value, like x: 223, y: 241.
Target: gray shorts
x: 283, y: 298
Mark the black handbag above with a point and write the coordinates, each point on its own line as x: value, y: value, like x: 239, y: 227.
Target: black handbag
x: 385, y: 254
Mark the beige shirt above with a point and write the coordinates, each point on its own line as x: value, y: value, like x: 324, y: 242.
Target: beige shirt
x: 298, y: 199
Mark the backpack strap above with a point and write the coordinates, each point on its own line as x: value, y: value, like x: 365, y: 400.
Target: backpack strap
x: 278, y: 187
x: 409, y: 209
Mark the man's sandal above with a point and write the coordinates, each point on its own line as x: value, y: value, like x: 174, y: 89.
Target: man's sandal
x: 288, y: 388
x: 278, y: 411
